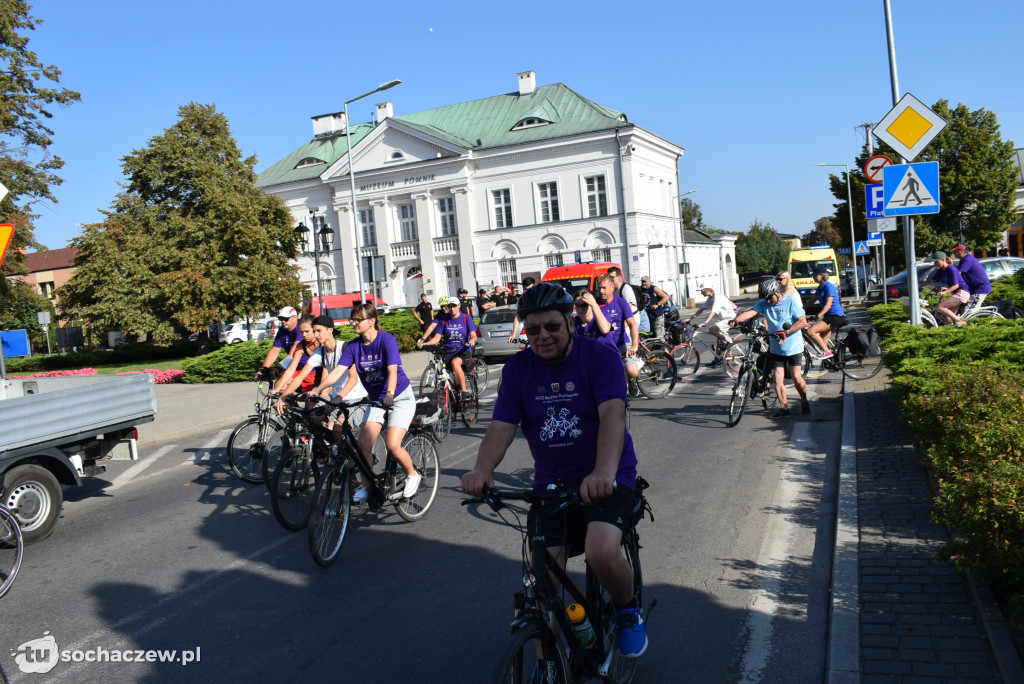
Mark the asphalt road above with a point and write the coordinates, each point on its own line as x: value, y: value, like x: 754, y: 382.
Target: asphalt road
x: 174, y: 553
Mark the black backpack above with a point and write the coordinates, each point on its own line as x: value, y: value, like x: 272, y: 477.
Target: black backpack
x: 863, y: 342
x: 643, y: 300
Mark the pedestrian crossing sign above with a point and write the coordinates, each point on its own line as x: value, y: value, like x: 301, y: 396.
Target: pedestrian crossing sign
x: 910, y: 189
x: 862, y: 248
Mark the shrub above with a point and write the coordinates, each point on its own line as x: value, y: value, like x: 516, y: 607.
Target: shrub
x: 232, y: 363
x: 125, y: 354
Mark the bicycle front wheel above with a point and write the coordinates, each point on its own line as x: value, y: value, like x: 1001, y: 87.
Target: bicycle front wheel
x: 471, y: 407
x: 328, y: 522
x: 740, y: 393
x: 687, y: 361
x: 859, y: 366
x: 814, y: 367
x: 520, y: 663
x: 424, y: 459
x: 12, y: 546
x: 443, y: 426
x: 732, y: 357
x: 247, y: 449
x: 657, y: 374
x: 293, y: 488
x: 481, y: 370
x: 621, y: 670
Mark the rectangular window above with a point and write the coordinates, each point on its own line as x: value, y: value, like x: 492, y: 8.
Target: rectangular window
x: 548, y: 202
x: 502, y: 208
x: 369, y: 227
x: 328, y: 286
x: 407, y: 221
x: 601, y: 254
x: 507, y: 269
x: 446, y: 212
x: 453, y: 276
x: 553, y: 260
x: 47, y: 289
x: 597, y: 198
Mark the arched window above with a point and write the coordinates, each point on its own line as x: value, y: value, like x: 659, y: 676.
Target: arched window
x: 309, y: 161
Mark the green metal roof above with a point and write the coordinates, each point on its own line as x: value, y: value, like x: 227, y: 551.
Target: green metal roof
x: 480, y: 124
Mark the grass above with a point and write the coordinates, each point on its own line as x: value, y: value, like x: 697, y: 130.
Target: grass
x: 167, y: 364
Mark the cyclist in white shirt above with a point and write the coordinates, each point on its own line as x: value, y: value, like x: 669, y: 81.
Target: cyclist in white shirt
x: 720, y: 310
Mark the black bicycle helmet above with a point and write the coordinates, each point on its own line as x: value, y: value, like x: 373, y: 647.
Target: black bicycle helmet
x: 544, y: 297
x: 767, y: 288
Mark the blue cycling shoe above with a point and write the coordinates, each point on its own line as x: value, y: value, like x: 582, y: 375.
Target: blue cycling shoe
x: 632, y: 633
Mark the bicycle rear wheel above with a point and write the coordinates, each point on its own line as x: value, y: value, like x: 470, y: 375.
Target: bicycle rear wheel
x: 293, y: 488
x: 657, y: 374
x: 687, y: 361
x: 520, y: 661
x: 443, y: 427
x: 470, y: 409
x: 740, y: 393
x: 12, y: 546
x: 857, y: 366
x: 424, y: 459
x: 732, y: 357
x: 328, y: 521
x: 620, y: 670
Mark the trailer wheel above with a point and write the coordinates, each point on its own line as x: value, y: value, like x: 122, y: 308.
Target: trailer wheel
x: 35, y: 497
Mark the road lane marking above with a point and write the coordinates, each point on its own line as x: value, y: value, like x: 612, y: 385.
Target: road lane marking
x: 138, y: 468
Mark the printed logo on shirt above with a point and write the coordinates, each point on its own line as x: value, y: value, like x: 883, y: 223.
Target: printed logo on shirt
x: 570, y: 386
x: 555, y: 386
x: 560, y: 426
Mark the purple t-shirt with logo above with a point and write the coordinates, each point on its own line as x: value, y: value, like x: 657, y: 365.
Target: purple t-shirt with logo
x: 557, y: 408
x: 593, y: 331
x: 286, y: 339
x: 454, y: 332
x: 974, y: 275
x: 618, y: 312
x: 371, y: 362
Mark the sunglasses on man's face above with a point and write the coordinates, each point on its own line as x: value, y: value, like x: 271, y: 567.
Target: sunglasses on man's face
x: 552, y: 327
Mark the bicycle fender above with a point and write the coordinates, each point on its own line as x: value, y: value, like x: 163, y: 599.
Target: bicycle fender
x: 527, y: 620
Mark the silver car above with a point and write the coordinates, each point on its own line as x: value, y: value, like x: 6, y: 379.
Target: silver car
x: 495, y: 328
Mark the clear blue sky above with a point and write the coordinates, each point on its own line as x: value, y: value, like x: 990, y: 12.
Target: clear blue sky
x: 755, y: 91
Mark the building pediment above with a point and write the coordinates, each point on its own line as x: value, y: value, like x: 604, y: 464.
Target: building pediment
x: 391, y: 145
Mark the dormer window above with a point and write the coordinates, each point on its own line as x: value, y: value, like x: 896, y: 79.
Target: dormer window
x: 396, y: 156
x: 530, y: 122
x: 309, y: 161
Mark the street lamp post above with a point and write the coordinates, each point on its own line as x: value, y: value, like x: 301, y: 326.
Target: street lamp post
x: 323, y: 238
x: 685, y: 292
x: 352, y: 182
x: 853, y: 240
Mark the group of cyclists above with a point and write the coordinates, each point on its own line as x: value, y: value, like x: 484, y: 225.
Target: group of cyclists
x: 963, y: 283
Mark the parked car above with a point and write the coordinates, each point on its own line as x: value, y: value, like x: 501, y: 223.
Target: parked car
x: 495, y: 328
x: 239, y: 332
x: 995, y: 267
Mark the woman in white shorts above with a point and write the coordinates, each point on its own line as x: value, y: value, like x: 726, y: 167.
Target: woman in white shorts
x: 378, y: 366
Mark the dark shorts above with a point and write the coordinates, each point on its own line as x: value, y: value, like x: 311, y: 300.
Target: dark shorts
x: 783, y: 361
x: 569, y: 528
x: 465, y: 355
x: 834, y: 320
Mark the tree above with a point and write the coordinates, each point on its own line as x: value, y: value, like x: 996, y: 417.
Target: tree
x: 692, y: 216
x: 823, y: 234
x: 26, y: 166
x: 190, y: 240
x: 977, y: 181
x: 760, y: 251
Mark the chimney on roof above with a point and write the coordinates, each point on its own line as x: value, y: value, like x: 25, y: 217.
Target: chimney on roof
x: 385, y: 110
x: 527, y: 82
x: 325, y: 125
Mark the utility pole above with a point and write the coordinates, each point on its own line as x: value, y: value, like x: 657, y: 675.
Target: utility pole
x: 867, y: 126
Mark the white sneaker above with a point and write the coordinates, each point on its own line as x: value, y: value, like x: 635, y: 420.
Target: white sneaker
x: 360, y: 496
x: 412, y: 485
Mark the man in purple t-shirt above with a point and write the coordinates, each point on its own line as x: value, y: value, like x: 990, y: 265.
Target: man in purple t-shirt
x: 569, y: 396
x: 974, y: 275
x: 625, y: 330
x: 458, y: 332
x: 287, y: 335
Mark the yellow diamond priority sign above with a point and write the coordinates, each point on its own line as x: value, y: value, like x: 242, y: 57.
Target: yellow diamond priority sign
x: 909, y: 127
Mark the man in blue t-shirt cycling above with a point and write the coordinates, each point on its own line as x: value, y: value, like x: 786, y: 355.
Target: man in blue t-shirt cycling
x: 830, y: 314
x: 569, y: 395
x: 787, y: 345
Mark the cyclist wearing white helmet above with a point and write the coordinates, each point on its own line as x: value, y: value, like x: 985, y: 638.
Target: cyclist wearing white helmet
x: 720, y: 309
x: 459, y: 334
x: 787, y: 345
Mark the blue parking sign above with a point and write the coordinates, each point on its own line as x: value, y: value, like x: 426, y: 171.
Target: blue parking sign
x: 873, y: 201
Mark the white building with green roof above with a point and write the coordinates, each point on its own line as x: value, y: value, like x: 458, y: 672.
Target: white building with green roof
x: 491, y: 191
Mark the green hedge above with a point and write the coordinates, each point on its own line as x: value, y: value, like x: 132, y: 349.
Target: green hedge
x: 961, y: 391
x: 129, y: 353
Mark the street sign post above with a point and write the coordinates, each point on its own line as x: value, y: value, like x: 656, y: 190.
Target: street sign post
x: 862, y: 248
x: 909, y: 127
x: 873, y: 167
x: 882, y: 225
x: 874, y: 239
x: 911, y: 189
x: 873, y: 205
